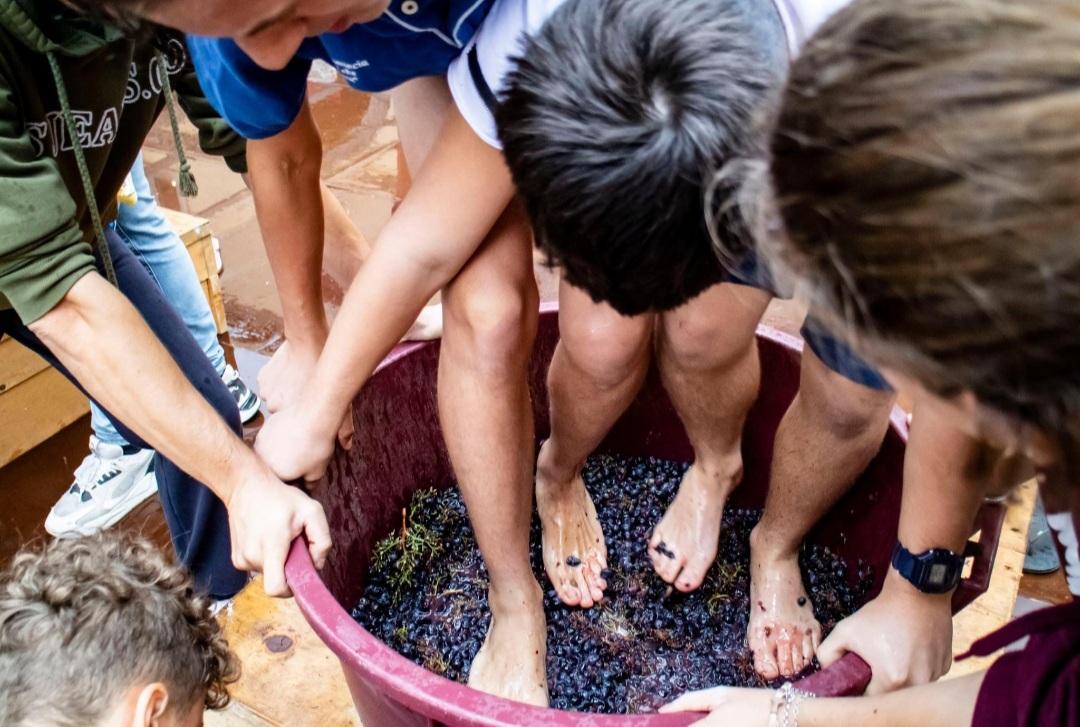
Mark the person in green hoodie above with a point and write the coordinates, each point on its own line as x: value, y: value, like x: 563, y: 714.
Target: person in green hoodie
x: 77, y: 98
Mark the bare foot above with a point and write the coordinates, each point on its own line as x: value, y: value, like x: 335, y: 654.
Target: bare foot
x: 684, y: 543
x: 512, y: 661
x: 428, y: 325
x: 783, y: 633
x: 575, y: 553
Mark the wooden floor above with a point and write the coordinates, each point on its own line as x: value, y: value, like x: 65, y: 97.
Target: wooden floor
x: 994, y: 608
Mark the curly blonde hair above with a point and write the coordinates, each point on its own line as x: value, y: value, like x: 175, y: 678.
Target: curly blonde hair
x: 82, y: 621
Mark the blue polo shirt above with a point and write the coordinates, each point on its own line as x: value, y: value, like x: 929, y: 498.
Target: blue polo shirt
x: 412, y: 38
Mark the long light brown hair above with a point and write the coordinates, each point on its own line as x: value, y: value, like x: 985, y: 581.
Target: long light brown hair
x: 925, y: 166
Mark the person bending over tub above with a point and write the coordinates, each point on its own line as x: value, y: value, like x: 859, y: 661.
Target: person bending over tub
x: 923, y: 167
x: 613, y: 167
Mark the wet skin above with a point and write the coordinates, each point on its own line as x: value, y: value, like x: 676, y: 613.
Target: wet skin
x: 571, y: 534
x: 782, y: 633
x: 683, y: 544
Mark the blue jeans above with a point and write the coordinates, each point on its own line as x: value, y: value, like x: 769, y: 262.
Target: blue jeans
x: 197, y: 519
x: 148, y: 235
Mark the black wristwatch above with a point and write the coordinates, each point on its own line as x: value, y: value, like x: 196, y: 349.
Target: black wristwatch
x: 935, y: 571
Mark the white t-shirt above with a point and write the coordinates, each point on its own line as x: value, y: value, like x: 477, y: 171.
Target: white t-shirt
x: 502, y: 37
x: 803, y: 17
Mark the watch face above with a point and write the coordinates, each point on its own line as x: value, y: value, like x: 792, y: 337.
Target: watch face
x: 938, y: 573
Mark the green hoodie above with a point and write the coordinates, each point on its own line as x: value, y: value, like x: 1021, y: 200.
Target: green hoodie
x: 114, y: 89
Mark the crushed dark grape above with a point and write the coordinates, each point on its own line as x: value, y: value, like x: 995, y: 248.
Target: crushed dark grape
x: 426, y: 596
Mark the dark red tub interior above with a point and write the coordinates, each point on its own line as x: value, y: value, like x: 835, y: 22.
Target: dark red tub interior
x: 399, y: 449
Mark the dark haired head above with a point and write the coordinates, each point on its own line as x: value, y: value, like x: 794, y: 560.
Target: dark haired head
x: 924, y: 166
x: 612, y: 123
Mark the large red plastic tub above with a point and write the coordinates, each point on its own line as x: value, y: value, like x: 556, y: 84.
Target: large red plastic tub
x: 399, y: 449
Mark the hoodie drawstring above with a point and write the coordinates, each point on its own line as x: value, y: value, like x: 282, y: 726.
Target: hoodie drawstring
x: 84, y: 170
x: 187, y: 185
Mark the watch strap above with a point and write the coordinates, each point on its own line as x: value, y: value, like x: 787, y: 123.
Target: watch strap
x: 934, y: 571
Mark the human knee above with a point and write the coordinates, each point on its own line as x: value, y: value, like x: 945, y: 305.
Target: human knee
x: 846, y: 409
x: 609, y: 355
x: 493, y: 326
x: 701, y: 342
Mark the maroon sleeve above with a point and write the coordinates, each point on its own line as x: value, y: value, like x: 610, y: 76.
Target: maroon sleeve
x: 1038, y: 686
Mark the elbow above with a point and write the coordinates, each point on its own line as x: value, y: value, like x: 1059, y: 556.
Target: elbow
x: 60, y: 324
x: 286, y: 157
x: 67, y: 325
x: 296, y: 166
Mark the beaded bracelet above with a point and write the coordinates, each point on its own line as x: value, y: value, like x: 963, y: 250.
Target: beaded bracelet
x: 784, y: 706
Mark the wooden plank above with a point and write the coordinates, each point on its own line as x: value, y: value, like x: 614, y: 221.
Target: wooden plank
x: 202, y: 257
x: 17, y: 364
x: 35, y: 410
x: 212, y: 291
x: 994, y: 609
x: 300, y: 684
x: 188, y: 227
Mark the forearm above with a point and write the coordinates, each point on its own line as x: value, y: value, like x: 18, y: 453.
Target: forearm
x: 943, y: 483
x: 455, y: 200
x: 943, y: 487
x: 285, y: 182
x: 380, y: 306
x: 105, y: 343
x: 949, y: 703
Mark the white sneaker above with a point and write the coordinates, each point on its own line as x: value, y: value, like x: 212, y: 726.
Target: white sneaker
x: 428, y: 325
x: 108, y: 485
x: 247, y: 401
x: 215, y: 245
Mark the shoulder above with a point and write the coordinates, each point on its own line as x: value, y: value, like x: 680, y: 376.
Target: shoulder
x: 478, y: 76
x: 802, y: 18
x: 257, y: 102
x: 1039, y: 684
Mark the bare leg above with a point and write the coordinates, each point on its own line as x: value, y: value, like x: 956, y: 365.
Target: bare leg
x: 599, y: 364
x: 486, y: 415
x: 345, y: 248
x: 831, y: 431
x: 345, y: 251
x: 709, y: 365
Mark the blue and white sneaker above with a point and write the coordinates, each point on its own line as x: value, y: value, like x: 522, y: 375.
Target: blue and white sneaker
x: 111, y: 481
x: 247, y: 401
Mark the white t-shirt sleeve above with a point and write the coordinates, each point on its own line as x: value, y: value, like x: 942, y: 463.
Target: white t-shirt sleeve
x: 499, y: 40
x: 803, y: 17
